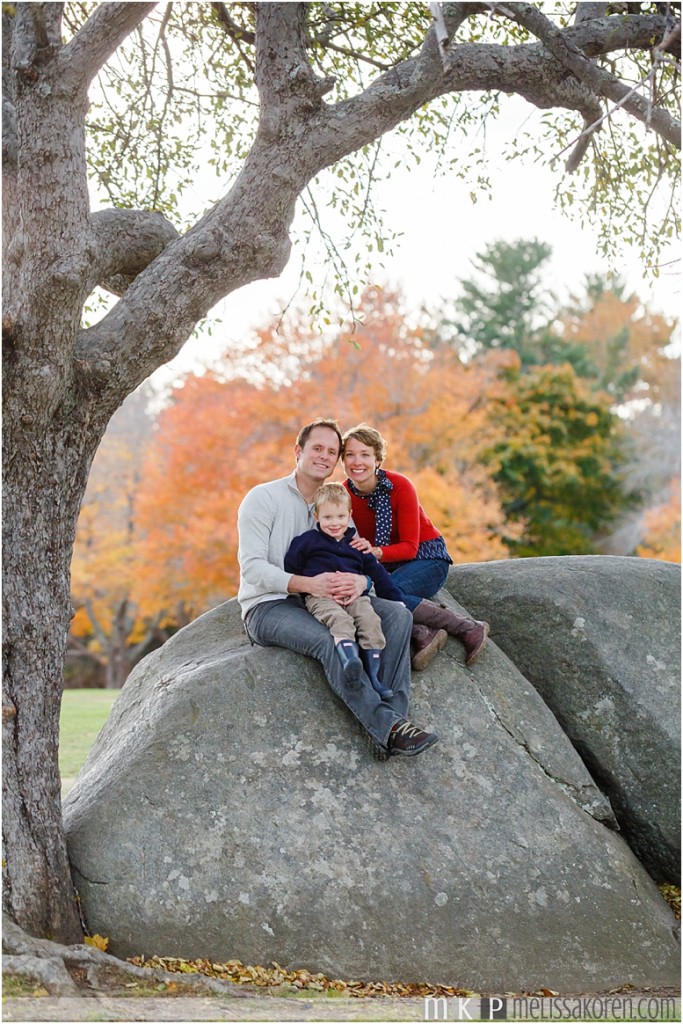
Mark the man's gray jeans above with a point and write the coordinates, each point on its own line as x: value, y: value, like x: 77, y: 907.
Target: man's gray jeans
x: 286, y: 623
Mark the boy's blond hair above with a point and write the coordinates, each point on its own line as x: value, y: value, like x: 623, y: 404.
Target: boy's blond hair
x: 336, y: 494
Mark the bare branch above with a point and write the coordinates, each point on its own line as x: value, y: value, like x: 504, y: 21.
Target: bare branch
x: 585, y: 12
x: 102, y: 33
x: 238, y: 35
x: 352, y: 53
x: 98, y: 629
x: 127, y: 241
x: 672, y: 42
x: 47, y: 19
x: 583, y: 139
x: 284, y: 78
x: 235, y: 31
x: 580, y: 147
x: 600, y: 81
x: 440, y: 29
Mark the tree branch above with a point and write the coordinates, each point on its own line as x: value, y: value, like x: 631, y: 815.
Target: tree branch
x: 455, y: 14
x: 586, y: 11
x: 127, y: 241
x: 98, y: 629
x: 99, y: 37
x: 599, y: 80
x: 246, y: 235
x: 286, y: 84
x: 235, y: 31
x: 46, y: 20
x: 244, y: 238
x: 583, y: 141
x: 36, y: 28
x: 614, y: 33
x: 238, y: 35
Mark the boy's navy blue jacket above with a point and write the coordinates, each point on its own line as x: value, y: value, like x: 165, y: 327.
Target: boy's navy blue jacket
x: 314, y: 552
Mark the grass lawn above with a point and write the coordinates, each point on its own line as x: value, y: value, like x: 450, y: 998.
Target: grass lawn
x: 83, y: 715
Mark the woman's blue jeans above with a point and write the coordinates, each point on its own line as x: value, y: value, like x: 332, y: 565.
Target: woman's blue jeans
x: 420, y: 578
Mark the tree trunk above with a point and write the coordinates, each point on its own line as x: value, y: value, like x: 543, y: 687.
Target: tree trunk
x: 119, y: 662
x: 118, y: 669
x: 40, y: 513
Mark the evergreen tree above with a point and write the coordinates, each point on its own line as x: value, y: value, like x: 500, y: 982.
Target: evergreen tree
x: 508, y: 306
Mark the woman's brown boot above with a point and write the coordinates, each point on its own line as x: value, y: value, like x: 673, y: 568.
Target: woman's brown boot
x: 425, y: 644
x: 471, y: 632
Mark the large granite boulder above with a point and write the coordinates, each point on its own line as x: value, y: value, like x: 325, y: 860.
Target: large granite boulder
x: 231, y: 809
x: 600, y: 639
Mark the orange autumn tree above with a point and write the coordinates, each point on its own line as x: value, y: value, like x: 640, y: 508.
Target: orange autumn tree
x: 627, y: 343
x: 218, y: 437
x: 107, y: 625
x: 214, y: 441
x: 662, y: 529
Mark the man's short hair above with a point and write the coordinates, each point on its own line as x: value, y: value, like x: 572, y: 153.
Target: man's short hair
x: 305, y: 432
x: 336, y: 494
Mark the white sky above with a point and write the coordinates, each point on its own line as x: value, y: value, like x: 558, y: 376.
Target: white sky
x: 442, y: 229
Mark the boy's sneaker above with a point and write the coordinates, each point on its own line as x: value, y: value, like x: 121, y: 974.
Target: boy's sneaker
x: 408, y: 739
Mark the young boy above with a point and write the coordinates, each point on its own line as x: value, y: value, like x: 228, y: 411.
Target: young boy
x: 327, y: 548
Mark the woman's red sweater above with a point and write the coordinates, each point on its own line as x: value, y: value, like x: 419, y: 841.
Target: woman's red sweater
x: 410, y: 524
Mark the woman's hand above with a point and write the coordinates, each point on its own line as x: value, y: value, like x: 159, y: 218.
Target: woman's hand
x: 361, y: 544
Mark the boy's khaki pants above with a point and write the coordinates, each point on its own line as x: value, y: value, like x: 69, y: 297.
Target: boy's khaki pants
x: 357, y: 621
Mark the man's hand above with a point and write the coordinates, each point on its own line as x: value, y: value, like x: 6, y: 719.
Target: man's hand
x: 342, y: 587
x: 347, y: 586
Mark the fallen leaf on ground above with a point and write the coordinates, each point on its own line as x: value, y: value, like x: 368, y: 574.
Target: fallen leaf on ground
x: 303, y: 980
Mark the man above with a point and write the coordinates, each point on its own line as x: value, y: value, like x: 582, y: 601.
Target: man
x: 270, y: 516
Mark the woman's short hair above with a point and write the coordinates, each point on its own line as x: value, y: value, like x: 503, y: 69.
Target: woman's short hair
x: 368, y: 436
x: 336, y: 494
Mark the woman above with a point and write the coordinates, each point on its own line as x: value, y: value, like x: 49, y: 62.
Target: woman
x: 396, y: 529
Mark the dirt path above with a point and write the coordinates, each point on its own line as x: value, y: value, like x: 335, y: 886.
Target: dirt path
x: 642, y: 1006
x: 182, y: 1008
